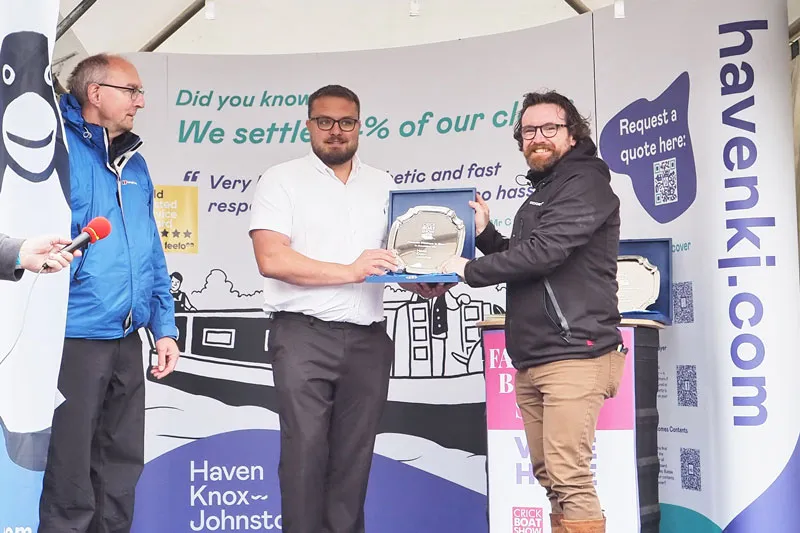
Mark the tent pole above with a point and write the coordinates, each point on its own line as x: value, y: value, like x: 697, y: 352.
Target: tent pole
x: 794, y: 30
x: 67, y: 22
x: 578, y: 5
x: 173, y: 26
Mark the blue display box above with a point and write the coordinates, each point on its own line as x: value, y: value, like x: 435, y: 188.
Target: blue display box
x: 659, y: 253
x: 457, y: 200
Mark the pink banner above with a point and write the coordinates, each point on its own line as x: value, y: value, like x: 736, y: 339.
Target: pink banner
x: 501, y: 404
x: 619, y: 412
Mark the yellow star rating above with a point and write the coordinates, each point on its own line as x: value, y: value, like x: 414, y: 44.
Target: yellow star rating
x: 176, y: 212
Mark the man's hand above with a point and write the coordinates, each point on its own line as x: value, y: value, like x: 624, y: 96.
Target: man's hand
x: 428, y: 290
x: 168, y: 354
x: 44, y: 251
x: 481, y: 214
x: 455, y: 265
x: 372, y: 263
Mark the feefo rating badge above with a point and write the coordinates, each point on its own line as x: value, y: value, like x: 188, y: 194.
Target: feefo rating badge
x: 175, y: 209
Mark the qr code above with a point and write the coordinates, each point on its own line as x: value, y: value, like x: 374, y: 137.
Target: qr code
x: 687, y: 385
x: 682, y: 302
x: 690, y: 469
x: 665, y: 181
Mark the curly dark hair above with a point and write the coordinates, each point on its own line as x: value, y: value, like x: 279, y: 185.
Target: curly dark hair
x: 577, y: 125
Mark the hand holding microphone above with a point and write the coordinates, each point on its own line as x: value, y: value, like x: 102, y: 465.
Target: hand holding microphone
x: 47, y: 254
x: 42, y: 254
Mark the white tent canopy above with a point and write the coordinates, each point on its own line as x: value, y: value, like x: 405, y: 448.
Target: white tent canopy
x: 299, y: 26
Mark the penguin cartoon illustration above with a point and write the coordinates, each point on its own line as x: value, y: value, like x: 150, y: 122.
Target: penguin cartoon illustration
x: 34, y: 200
x: 30, y: 126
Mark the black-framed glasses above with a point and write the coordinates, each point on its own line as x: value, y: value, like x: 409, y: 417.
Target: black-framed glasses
x: 134, y: 91
x: 326, y: 123
x: 548, y: 130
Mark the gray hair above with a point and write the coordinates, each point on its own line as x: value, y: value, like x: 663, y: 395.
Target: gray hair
x: 92, y: 69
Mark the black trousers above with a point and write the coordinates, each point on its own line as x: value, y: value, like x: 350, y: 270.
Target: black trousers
x: 96, y: 451
x: 332, y: 380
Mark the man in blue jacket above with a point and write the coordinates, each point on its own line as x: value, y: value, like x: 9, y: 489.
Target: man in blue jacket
x: 119, y: 285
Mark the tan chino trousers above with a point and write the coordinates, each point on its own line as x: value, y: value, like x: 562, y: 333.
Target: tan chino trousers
x: 560, y: 403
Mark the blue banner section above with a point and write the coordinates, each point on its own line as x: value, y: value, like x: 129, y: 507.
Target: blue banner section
x: 229, y: 482
x: 650, y: 142
x: 19, y: 500
x: 776, y: 509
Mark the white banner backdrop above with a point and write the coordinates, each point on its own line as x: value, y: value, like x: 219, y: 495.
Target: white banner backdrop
x: 433, y: 116
x: 34, y: 175
x: 698, y: 131
x: 441, y: 115
x: 437, y: 116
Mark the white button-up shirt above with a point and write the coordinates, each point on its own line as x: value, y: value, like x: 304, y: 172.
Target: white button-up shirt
x: 326, y: 220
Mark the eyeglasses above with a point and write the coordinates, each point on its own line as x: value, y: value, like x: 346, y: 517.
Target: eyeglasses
x: 548, y: 130
x: 134, y: 91
x: 326, y: 123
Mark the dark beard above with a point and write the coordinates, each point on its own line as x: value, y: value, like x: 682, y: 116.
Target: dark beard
x: 335, y: 158
x: 544, y: 166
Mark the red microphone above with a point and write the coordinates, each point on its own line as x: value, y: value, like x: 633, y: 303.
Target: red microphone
x: 98, y: 228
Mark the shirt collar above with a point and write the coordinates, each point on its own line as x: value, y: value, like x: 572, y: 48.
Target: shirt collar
x: 317, y: 163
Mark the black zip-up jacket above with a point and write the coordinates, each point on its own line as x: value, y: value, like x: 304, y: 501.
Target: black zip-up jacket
x: 560, y: 264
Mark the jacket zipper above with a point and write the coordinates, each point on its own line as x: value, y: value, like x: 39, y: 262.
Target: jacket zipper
x: 517, y: 240
x: 566, y: 332
x: 128, y: 319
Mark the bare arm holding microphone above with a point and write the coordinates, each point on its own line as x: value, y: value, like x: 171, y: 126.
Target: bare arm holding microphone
x: 32, y: 254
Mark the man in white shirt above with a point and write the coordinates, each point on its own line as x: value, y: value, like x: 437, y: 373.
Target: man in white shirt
x: 319, y: 228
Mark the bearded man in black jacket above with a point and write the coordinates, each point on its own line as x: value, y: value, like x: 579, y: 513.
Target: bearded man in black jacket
x: 562, y: 318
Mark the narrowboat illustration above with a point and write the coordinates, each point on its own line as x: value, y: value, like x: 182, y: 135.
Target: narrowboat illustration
x: 436, y: 390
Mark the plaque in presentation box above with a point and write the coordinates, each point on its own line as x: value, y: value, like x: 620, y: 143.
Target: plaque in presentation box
x: 644, y: 278
x: 426, y: 228
x: 639, y: 283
